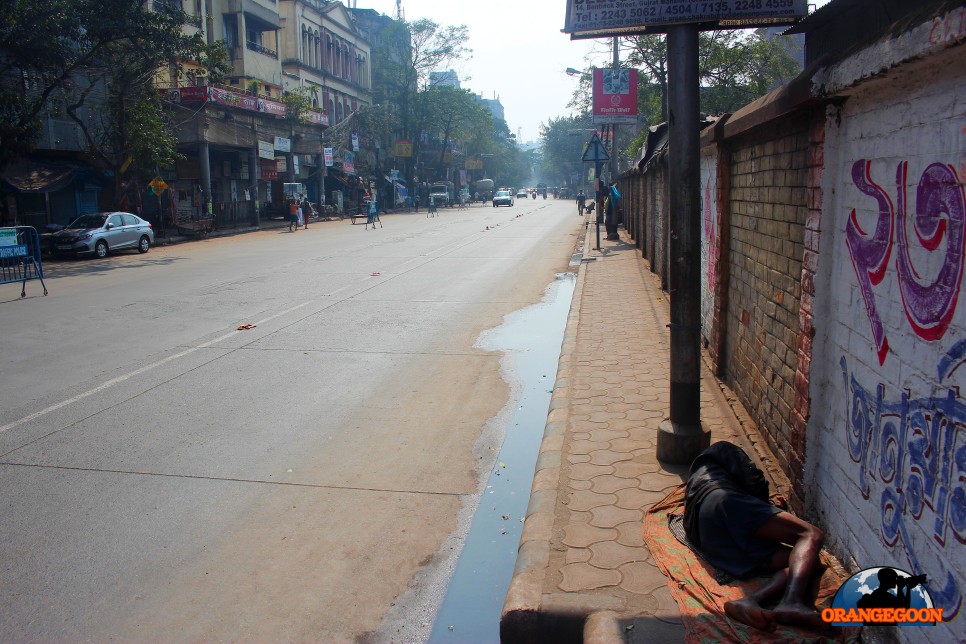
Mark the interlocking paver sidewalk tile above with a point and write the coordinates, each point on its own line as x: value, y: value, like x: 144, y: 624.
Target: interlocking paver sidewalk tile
x: 611, y: 393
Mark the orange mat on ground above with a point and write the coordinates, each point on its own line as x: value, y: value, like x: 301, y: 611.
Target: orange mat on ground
x: 701, y: 599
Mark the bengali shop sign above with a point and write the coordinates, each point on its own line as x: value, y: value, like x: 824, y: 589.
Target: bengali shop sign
x: 598, y: 15
x: 232, y: 99
x: 615, y: 95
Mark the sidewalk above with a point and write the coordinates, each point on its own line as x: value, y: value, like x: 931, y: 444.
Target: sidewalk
x: 583, y: 572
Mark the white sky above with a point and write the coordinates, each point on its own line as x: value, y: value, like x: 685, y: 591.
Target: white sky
x: 519, y: 53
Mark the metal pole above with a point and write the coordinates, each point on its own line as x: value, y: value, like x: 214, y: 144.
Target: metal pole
x: 682, y: 438
x: 614, y: 165
x: 205, y: 163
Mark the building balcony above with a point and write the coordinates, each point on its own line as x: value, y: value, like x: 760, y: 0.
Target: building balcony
x: 271, y: 53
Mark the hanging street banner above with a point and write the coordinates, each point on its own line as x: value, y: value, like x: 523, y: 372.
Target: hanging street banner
x: 615, y: 96
x: 329, y: 159
x: 348, y: 162
x: 355, y: 141
x: 594, y: 18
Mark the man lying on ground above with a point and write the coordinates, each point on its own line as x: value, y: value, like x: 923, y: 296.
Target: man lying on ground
x: 729, y: 519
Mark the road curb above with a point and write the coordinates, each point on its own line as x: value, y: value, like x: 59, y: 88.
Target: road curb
x: 520, y: 620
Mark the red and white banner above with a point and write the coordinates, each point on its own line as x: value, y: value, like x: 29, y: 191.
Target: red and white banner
x: 615, y: 96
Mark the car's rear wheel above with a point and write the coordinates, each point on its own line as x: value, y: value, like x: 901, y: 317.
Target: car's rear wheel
x: 144, y: 244
x: 100, y: 248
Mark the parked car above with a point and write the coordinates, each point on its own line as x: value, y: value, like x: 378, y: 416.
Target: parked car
x: 502, y: 198
x: 102, y: 233
x: 522, y: 193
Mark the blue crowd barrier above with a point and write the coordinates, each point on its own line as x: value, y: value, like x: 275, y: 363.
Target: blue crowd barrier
x: 20, y: 259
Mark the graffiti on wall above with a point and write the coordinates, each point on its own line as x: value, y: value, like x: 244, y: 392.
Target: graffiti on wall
x: 939, y: 216
x: 709, y: 250
x: 914, y: 450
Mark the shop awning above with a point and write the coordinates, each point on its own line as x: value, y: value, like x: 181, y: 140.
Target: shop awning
x: 30, y: 176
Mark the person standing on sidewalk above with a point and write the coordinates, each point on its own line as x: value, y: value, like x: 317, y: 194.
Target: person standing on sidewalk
x: 613, y: 208
x: 581, y: 202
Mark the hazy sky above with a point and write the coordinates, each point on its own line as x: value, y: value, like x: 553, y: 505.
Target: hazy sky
x: 519, y: 53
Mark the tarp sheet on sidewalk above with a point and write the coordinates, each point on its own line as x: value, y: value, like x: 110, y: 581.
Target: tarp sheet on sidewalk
x: 701, y: 599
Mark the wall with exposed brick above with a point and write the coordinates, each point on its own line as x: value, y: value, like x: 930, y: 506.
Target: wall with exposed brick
x: 769, y: 179
x: 887, y: 447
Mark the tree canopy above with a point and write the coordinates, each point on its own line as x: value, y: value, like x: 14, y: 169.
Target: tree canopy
x: 94, y: 62
x: 734, y: 68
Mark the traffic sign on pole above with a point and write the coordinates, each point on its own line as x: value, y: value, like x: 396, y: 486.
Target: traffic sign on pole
x: 595, y: 151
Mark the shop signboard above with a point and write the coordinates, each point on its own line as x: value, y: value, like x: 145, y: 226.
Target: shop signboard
x: 316, y: 118
x: 403, y: 148
x: 266, y: 150
x: 282, y: 144
x: 190, y: 94
x: 271, y: 107
x: 615, y: 95
x: 595, y: 18
x: 269, y: 170
x: 348, y: 162
x: 329, y: 160
x: 355, y: 141
x: 232, y: 99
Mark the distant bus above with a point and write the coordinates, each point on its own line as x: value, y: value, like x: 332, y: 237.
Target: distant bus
x: 485, y: 189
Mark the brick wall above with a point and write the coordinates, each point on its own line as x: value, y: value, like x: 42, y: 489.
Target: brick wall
x: 768, y: 205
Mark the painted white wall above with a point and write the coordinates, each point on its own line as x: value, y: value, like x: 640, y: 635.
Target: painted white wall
x: 886, y: 450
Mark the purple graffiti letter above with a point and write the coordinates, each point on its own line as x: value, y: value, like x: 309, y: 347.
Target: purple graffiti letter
x: 870, y: 255
x: 940, y: 213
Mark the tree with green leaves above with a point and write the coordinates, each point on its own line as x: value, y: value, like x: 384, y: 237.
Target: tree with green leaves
x: 562, y: 146
x: 95, y: 61
x: 734, y: 68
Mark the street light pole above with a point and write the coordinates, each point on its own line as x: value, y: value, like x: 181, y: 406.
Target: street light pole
x: 682, y: 438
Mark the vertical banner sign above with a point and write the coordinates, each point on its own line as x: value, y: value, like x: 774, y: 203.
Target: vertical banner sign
x: 327, y: 153
x: 615, y: 96
x: 355, y: 141
x: 349, y: 162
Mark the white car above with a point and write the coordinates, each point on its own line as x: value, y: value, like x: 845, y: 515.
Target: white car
x: 502, y: 198
x: 102, y: 233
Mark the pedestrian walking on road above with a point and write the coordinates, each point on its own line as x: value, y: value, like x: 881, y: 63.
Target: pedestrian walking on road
x: 581, y: 202
x: 432, y: 207
x: 293, y: 216
x: 373, y: 214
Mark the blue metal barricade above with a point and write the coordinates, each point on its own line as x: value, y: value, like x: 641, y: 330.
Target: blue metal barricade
x: 20, y: 257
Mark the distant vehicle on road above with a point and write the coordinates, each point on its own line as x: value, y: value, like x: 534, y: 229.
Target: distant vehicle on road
x: 484, y: 189
x: 102, y: 233
x: 442, y: 193
x: 522, y: 193
x: 503, y: 198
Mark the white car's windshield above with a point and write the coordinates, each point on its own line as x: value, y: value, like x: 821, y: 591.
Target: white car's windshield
x: 503, y: 193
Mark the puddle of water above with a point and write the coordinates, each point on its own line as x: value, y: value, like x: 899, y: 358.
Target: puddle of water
x: 531, y: 338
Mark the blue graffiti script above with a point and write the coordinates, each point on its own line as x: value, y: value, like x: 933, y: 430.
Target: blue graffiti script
x: 915, y: 451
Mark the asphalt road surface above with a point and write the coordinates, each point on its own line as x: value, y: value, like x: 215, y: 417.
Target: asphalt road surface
x: 167, y: 476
